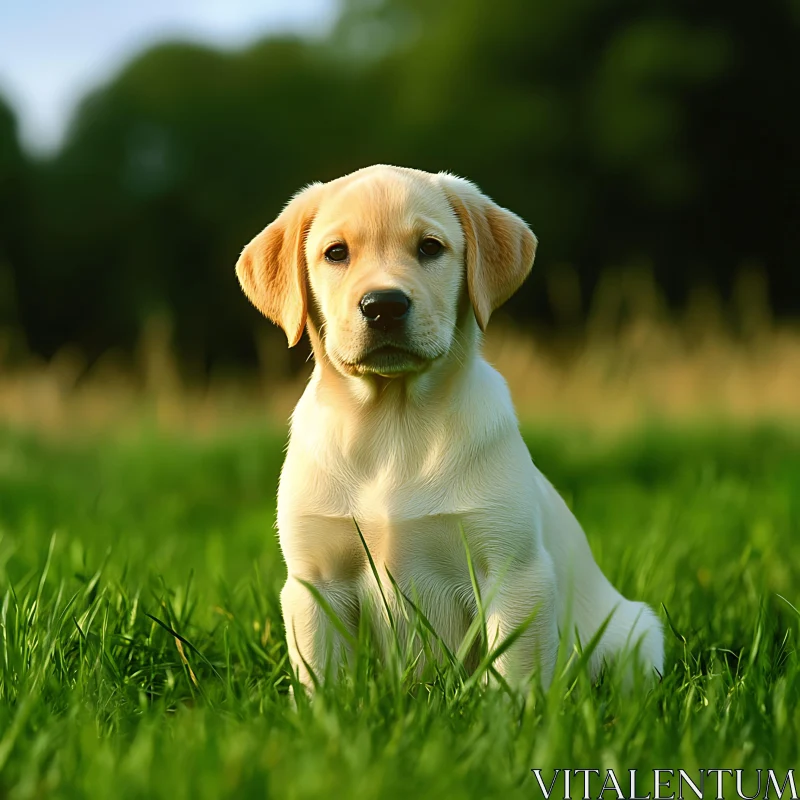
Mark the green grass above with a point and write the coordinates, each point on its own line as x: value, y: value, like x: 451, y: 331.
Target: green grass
x: 105, y: 544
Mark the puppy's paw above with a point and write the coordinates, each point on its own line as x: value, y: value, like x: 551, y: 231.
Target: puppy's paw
x: 639, y: 645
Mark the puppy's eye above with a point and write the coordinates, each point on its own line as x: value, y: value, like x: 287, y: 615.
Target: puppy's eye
x: 337, y: 253
x: 430, y: 247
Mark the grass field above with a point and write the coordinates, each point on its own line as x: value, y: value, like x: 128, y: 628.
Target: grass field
x: 111, y: 545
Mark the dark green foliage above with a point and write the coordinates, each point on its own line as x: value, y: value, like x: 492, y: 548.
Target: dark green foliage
x: 627, y: 133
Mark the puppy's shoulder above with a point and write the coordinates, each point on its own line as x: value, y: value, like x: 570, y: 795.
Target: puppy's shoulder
x: 484, y: 402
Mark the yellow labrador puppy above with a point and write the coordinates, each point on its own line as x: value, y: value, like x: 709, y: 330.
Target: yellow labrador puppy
x: 405, y: 428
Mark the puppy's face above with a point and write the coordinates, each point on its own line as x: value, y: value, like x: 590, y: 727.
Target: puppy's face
x: 385, y: 259
x: 385, y: 254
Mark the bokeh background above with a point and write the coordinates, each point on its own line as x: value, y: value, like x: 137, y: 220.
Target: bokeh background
x: 653, y: 357
x: 652, y: 146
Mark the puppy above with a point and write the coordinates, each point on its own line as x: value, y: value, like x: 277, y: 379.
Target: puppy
x: 407, y: 430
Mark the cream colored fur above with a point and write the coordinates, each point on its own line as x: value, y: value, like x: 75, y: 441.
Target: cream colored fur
x: 414, y: 434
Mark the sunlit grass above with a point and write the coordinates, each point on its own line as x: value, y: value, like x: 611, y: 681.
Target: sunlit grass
x: 142, y: 651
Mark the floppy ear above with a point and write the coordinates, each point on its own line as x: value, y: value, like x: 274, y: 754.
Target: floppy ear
x: 500, y: 247
x: 272, y: 268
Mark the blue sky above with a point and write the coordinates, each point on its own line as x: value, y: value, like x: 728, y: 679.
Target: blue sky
x: 53, y: 51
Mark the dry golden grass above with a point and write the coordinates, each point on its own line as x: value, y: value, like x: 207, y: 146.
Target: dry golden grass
x: 630, y: 364
x: 650, y: 372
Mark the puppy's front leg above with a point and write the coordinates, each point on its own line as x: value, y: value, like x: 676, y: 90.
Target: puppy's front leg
x: 513, y: 595
x: 314, y: 643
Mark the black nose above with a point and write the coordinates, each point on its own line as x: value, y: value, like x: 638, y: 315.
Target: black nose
x: 385, y: 309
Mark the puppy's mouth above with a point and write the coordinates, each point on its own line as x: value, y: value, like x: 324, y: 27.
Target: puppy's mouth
x: 389, y: 360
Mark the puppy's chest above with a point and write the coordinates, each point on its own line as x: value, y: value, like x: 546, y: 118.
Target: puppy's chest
x: 390, y: 492
x: 380, y: 488
x: 412, y: 525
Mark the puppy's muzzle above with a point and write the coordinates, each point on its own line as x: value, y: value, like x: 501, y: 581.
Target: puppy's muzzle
x: 385, y: 309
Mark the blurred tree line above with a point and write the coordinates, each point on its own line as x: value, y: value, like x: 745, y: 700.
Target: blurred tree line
x: 624, y: 131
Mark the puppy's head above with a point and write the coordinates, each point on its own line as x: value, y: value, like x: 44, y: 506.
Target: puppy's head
x: 386, y: 254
